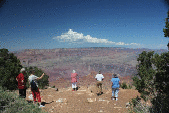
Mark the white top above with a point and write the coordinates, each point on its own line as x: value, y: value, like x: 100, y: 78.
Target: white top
x: 33, y: 77
x: 99, y: 77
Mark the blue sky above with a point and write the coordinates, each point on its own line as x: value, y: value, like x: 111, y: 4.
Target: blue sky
x: 49, y: 24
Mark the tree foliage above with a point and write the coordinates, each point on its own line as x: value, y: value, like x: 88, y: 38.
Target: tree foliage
x: 166, y: 30
x: 153, y: 79
x: 9, y: 69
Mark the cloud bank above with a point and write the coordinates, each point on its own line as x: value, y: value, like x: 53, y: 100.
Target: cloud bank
x: 74, y: 37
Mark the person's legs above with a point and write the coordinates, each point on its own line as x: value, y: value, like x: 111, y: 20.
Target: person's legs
x: 75, y: 85
x: 38, y: 96
x: 116, y: 94
x: 24, y: 93
x: 97, y: 86
x: 34, y: 96
x: 20, y: 92
x: 100, y: 87
x: 113, y: 91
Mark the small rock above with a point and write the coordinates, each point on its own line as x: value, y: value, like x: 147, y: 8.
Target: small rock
x: 30, y: 97
x: 61, y: 100
x: 91, y: 99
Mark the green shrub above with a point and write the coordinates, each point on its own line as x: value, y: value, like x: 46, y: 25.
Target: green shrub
x: 137, y: 107
x: 11, y: 103
x: 53, y: 86
x: 129, y: 86
x: 124, y: 85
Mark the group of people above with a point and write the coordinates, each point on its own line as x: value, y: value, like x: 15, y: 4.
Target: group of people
x: 35, y: 90
x: 99, y: 77
x: 34, y: 85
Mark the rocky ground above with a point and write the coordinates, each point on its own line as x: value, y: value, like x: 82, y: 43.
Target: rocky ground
x: 84, y: 100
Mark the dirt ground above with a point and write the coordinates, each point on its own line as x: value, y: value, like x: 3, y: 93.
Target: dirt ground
x: 84, y: 100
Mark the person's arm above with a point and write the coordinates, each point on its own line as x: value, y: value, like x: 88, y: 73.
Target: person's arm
x: 41, y: 76
x: 103, y: 78
x: 120, y: 83
x: 16, y: 79
x: 22, y: 79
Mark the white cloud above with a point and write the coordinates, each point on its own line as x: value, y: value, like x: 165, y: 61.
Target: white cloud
x: 75, y: 37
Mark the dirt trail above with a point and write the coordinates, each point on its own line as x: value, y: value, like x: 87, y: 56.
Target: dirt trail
x: 84, y: 101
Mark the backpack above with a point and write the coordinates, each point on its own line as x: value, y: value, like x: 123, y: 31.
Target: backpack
x: 33, y: 85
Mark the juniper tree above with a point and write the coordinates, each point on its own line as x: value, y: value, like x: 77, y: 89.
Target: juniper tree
x: 152, y: 80
x: 9, y: 69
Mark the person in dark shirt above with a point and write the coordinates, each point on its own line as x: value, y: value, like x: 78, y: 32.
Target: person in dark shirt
x: 21, y: 83
x: 115, y: 87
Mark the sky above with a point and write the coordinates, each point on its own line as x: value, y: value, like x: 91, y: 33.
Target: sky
x: 50, y: 24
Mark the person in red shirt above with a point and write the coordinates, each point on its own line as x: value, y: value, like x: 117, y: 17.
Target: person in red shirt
x: 21, y: 83
x: 74, y: 80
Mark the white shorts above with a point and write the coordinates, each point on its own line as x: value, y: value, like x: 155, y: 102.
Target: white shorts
x: 74, y: 85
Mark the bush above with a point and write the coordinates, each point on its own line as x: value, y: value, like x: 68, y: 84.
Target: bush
x: 11, y: 103
x: 137, y: 107
x: 124, y: 85
x: 129, y: 86
x: 53, y: 86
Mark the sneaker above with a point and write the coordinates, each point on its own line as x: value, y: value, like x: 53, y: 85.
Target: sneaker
x: 41, y: 106
x: 116, y: 99
x: 112, y: 98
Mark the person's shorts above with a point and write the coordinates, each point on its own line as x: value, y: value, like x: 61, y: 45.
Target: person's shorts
x: 113, y: 89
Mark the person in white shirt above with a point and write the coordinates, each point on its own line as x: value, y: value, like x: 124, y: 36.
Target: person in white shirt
x: 99, y: 77
x: 35, y: 92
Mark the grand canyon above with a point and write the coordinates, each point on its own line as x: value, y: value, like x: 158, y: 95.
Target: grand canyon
x: 59, y: 63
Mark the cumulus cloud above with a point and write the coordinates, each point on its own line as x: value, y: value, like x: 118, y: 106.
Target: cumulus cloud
x: 75, y: 37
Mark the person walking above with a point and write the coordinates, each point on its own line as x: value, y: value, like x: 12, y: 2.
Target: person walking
x: 99, y: 77
x: 21, y: 83
x: 115, y: 87
x: 74, y: 80
x: 34, y: 87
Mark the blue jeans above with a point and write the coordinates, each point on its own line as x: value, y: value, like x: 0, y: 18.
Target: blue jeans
x: 115, y: 92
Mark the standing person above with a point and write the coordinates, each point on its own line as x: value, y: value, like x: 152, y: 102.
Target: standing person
x: 99, y: 77
x: 74, y: 80
x: 34, y: 87
x: 115, y: 87
x: 21, y: 83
